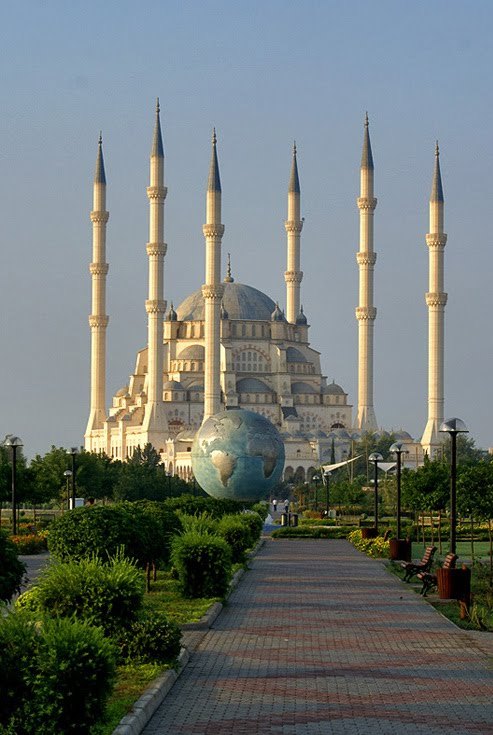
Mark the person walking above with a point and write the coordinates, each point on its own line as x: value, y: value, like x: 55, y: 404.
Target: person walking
x: 274, y: 505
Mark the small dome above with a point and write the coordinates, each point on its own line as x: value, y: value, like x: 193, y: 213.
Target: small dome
x: 277, y: 315
x: 172, y: 315
x: 197, y: 387
x: 173, y: 385
x: 294, y: 355
x: 298, y: 388
x: 252, y: 385
x: 122, y: 392
x: 333, y: 389
x: 185, y: 436
x: 194, y: 352
x: 402, y: 436
x: 301, y: 319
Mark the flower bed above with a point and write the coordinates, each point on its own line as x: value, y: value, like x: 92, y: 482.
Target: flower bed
x: 377, y: 548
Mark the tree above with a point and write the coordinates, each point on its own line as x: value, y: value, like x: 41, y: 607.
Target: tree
x: 47, y: 474
x: 370, y: 442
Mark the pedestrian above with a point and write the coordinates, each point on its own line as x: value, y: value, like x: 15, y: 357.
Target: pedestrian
x: 286, y: 505
x: 274, y: 505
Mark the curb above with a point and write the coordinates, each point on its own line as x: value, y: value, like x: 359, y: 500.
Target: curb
x: 134, y: 722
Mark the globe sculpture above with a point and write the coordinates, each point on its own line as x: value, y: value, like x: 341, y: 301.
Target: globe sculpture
x: 237, y: 454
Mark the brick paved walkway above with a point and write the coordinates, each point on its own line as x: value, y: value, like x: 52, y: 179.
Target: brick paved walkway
x: 320, y: 639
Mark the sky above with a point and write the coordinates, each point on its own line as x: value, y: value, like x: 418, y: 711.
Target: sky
x: 264, y: 73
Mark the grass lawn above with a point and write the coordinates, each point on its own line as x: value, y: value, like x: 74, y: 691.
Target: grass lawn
x: 481, y: 549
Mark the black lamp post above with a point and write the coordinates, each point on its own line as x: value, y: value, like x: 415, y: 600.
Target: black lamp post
x: 168, y: 475
x: 14, y: 442
x: 73, y: 453
x: 453, y: 427
x: 397, y: 449
x: 68, y: 474
x: 327, y: 480
x: 316, y: 480
x: 376, y: 457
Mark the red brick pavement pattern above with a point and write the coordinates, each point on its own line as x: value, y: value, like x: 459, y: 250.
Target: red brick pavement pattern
x: 320, y: 639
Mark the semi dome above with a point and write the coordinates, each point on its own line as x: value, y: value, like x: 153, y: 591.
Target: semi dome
x: 194, y: 352
x: 294, y: 355
x: 302, y: 388
x: 240, y: 302
x: 172, y: 385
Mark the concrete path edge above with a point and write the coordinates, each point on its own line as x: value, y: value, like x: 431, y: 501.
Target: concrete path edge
x: 134, y: 722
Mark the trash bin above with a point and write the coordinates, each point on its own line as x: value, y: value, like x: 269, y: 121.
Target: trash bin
x: 284, y: 519
x: 294, y: 519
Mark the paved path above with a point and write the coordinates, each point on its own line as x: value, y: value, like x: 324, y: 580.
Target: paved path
x: 319, y: 639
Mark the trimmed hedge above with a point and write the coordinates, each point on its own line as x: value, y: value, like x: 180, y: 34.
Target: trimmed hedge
x: 311, y: 532
x: 237, y: 535
x: 108, y: 595
x: 150, y: 639
x: 12, y: 570
x: 55, y: 676
x: 203, y: 564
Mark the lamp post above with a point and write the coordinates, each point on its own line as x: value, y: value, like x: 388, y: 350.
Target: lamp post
x: 14, y: 442
x: 453, y: 427
x: 68, y: 474
x: 397, y: 449
x: 316, y: 480
x: 376, y: 457
x: 73, y: 453
x: 327, y: 480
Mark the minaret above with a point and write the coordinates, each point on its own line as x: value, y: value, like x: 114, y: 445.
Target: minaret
x: 436, y: 299
x: 98, y: 320
x: 294, y: 224
x: 213, y: 289
x: 366, y: 312
x: 155, y: 423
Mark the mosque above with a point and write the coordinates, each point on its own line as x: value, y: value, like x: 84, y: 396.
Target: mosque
x: 230, y: 345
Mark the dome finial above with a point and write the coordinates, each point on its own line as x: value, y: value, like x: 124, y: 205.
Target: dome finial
x: 229, y: 278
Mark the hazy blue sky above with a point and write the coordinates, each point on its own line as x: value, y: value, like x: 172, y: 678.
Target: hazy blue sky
x: 263, y: 73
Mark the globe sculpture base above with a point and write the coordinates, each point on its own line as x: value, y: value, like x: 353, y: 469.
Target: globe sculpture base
x: 238, y: 454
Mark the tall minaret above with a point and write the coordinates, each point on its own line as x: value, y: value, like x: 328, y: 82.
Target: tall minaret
x: 436, y: 299
x: 213, y: 289
x: 98, y: 320
x: 366, y: 312
x: 155, y: 423
x: 294, y: 224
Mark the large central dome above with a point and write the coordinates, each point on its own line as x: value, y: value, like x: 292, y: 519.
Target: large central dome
x: 240, y: 301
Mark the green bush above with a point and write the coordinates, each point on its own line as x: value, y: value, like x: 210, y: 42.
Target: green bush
x: 12, y: 570
x: 56, y: 677
x: 311, y: 532
x: 255, y: 523
x: 109, y: 595
x: 237, y: 534
x: 151, y: 639
x: 17, y: 644
x: 262, y: 509
x: 201, y: 523
x: 203, y: 564
x: 215, y: 507
x: 142, y: 529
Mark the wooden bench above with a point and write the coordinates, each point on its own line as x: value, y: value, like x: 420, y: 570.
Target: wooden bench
x: 430, y: 580
x: 412, y: 568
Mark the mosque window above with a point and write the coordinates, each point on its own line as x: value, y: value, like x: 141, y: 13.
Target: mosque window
x: 253, y: 330
x: 243, y: 330
x: 233, y: 330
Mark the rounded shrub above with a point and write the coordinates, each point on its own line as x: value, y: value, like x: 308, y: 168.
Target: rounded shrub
x: 203, y: 564
x: 150, y: 639
x: 237, y: 534
x: 108, y: 595
x: 55, y: 675
x: 255, y: 523
x: 12, y: 570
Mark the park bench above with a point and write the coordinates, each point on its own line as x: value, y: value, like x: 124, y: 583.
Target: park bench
x: 412, y: 568
x: 430, y: 580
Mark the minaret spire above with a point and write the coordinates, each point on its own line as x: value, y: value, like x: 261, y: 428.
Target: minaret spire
x: 213, y: 289
x: 366, y: 311
x: 155, y: 423
x: 293, y: 225
x: 436, y: 300
x: 98, y: 320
